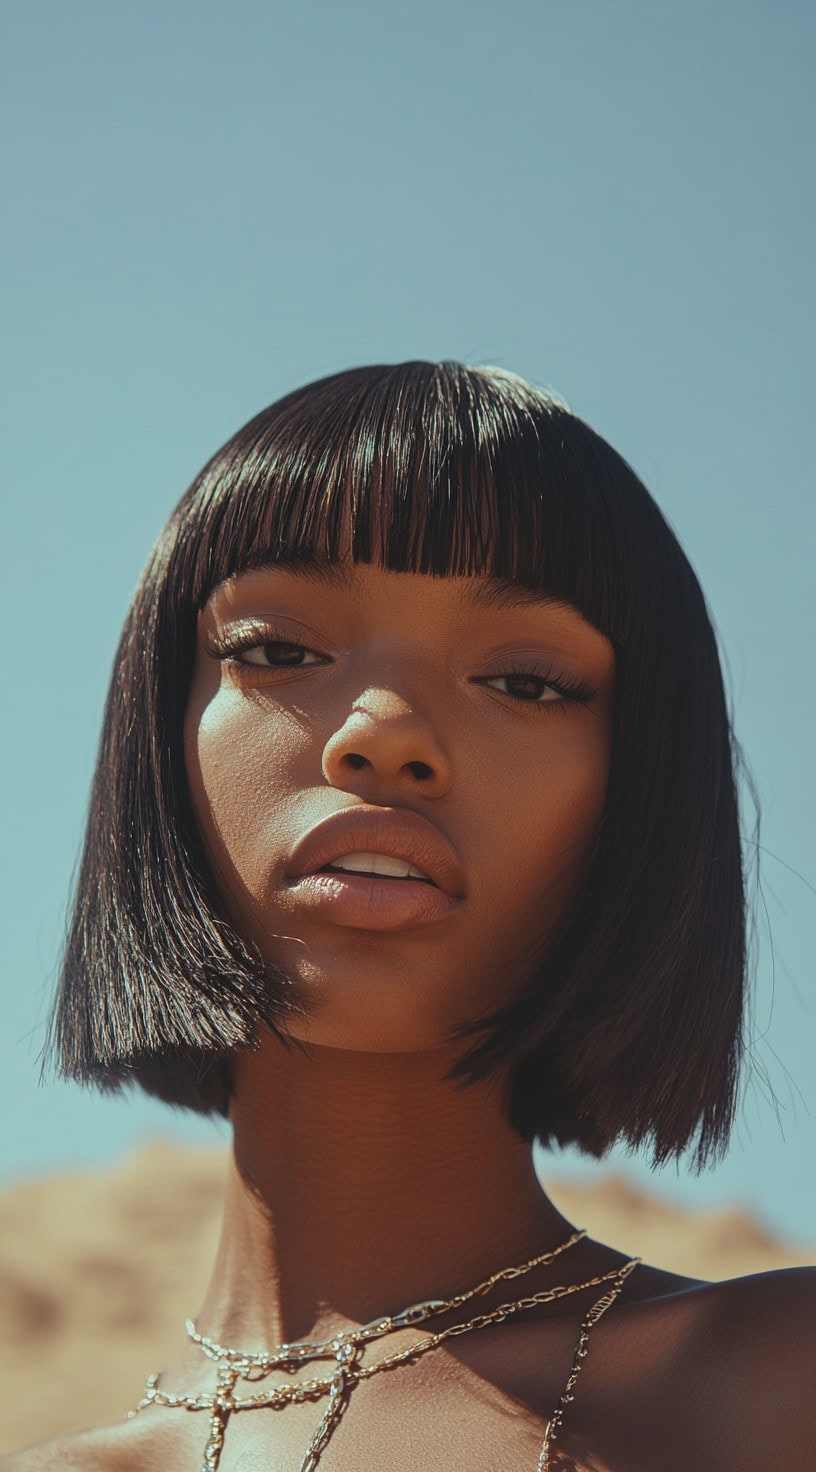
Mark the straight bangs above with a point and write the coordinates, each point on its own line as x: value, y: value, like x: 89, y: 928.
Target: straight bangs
x: 423, y: 468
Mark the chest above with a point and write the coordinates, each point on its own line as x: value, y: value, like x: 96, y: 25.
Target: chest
x: 437, y: 1427
x: 640, y: 1405
x: 438, y: 1417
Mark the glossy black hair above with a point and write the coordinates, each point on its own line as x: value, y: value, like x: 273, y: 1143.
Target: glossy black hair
x: 632, y: 1028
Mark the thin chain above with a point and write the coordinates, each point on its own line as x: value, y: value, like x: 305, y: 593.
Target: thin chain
x: 588, y: 1322
x: 338, y: 1403
x: 345, y: 1348
x: 416, y: 1313
x: 282, y: 1395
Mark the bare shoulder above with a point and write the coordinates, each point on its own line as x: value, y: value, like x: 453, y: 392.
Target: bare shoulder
x: 770, y: 1322
x: 708, y: 1374
x: 130, y: 1446
x: 755, y: 1372
x: 773, y: 1304
x: 92, y: 1450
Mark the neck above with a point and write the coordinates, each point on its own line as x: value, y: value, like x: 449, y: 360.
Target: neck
x: 360, y: 1183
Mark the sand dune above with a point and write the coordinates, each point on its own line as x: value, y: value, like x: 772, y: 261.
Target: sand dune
x: 99, y: 1270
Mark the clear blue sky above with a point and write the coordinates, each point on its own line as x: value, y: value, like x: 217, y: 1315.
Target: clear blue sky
x: 209, y: 204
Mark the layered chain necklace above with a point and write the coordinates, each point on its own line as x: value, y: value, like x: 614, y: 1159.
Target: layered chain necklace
x: 346, y: 1347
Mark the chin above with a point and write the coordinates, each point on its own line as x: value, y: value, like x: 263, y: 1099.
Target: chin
x: 370, y: 1026
x: 366, y: 1009
x: 350, y: 1040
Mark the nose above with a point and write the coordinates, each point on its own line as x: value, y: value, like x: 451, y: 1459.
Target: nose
x: 383, y: 745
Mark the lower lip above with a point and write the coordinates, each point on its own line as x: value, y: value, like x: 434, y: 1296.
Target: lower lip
x: 368, y: 903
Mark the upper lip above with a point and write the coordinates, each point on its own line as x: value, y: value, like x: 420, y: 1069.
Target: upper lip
x: 394, y: 831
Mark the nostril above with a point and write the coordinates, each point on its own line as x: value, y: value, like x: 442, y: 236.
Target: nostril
x: 421, y: 770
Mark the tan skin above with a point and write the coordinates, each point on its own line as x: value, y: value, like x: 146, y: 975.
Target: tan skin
x: 361, y: 1180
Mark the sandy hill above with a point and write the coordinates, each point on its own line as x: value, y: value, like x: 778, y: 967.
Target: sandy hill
x: 99, y: 1270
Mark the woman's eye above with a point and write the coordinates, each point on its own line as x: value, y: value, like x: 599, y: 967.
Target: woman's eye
x: 276, y: 654
x: 542, y: 690
x: 525, y: 687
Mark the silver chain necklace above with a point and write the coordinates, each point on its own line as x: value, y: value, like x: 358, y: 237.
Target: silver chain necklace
x: 346, y: 1347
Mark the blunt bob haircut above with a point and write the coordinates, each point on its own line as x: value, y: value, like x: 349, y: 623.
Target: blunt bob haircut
x: 632, y: 1028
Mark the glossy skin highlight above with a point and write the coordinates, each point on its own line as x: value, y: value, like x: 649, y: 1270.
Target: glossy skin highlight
x: 399, y: 698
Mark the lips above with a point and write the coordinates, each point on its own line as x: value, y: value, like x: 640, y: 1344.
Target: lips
x: 393, y: 831
x: 374, y: 901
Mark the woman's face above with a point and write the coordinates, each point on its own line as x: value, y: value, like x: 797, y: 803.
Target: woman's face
x: 428, y: 712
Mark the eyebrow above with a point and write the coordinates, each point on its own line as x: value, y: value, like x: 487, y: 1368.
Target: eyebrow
x: 487, y: 593
x: 315, y: 569
x: 495, y: 592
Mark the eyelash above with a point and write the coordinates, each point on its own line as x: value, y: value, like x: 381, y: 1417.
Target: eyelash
x: 229, y: 650
x: 574, y: 691
x: 578, y: 691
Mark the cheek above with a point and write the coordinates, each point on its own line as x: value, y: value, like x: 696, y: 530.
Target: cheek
x: 556, y: 810
x: 238, y: 772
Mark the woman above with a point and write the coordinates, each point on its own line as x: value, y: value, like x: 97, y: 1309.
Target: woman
x: 414, y: 835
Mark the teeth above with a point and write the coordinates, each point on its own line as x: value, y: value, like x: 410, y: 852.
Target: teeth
x: 378, y: 864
